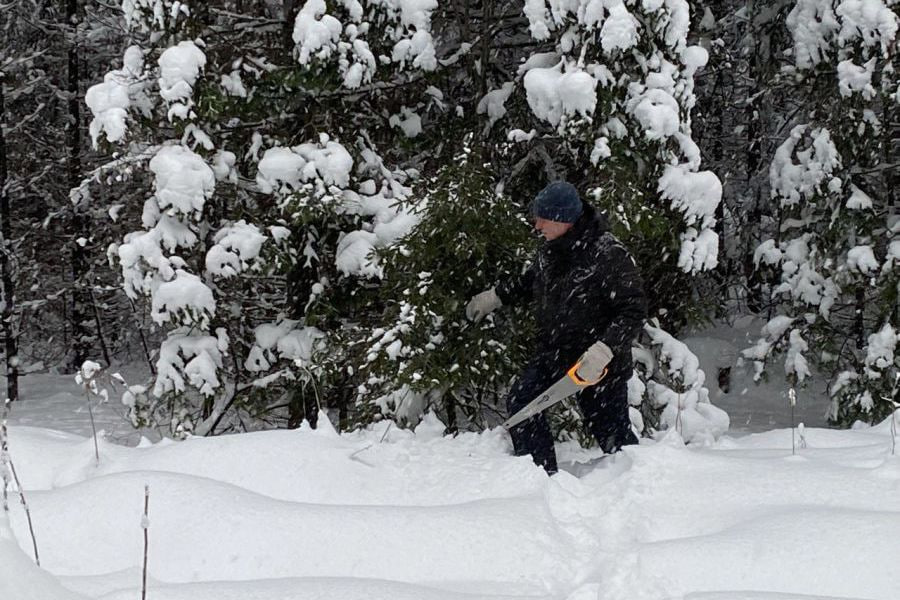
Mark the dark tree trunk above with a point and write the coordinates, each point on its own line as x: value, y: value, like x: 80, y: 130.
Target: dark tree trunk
x: 755, y: 299
x: 859, y: 324
x: 6, y: 266
x: 80, y: 300
x: 287, y: 28
x: 450, y: 407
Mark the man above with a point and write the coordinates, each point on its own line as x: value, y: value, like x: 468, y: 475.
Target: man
x: 590, y: 304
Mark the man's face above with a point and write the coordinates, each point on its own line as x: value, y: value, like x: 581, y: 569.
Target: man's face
x: 551, y: 229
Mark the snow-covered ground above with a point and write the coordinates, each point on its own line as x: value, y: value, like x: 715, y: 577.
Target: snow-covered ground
x: 753, y: 406
x: 303, y: 514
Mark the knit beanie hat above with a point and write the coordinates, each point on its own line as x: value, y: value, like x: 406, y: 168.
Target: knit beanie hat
x: 559, y: 202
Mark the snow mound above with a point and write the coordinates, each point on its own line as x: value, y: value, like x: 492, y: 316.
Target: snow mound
x: 395, y: 514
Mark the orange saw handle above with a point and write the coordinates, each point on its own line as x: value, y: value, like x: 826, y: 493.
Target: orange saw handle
x: 573, y: 375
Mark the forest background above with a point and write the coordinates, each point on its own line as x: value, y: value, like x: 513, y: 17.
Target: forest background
x: 281, y: 206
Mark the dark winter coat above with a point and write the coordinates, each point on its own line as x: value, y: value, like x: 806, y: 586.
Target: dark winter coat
x: 585, y: 287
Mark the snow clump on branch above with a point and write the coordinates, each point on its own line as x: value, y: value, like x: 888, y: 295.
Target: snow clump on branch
x: 179, y: 68
x: 109, y: 101
x: 320, y: 37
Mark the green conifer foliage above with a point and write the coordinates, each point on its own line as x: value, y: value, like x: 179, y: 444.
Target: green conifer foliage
x: 425, y: 351
x: 833, y: 257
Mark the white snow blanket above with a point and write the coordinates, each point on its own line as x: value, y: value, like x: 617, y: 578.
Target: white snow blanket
x: 303, y: 514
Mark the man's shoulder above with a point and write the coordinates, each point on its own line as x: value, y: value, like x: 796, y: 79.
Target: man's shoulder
x: 606, y: 242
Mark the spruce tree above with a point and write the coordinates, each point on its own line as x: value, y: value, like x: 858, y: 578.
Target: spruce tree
x: 833, y: 257
x: 425, y: 354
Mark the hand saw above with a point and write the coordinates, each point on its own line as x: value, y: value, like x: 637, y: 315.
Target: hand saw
x: 567, y: 385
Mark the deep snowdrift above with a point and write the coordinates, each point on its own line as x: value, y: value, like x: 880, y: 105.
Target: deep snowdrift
x: 312, y: 514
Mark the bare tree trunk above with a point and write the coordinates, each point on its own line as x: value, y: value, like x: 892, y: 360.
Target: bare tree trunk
x: 80, y: 300
x: 6, y: 266
x: 287, y: 29
x: 755, y: 299
x: 859, y: 322
x: 97, y: 321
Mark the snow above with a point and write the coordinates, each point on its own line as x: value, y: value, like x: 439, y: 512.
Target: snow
x: 620, y: 29
x: 152, y: 14
x: 687, y: 409
x: 408, y: 121
x: 185, y: 294
x: 109, y: 101
x: 493, y: 102
x: 363, y: 68
x: 854, y: 78
x: 694, y: 57
x: 552, y: 93
x: 893, y: 256
x: 285, y: 169
x: 188, y: 353
x: 542, y: 60
x: 536, y: 11
x: 355, y: 251
x: 393, y: 514
x: 233, y: 85
x: 316, y: 32
x: 880, y: 350
x: 818, y: 26
x: 871, y: 21
x: 139, y: 247
x: 600, y: 150
x: 862, y: 259
x: 29, y: 582
x: 812, y: 23
x: 795, y: 362
x: 279, y: 168
x: 179, y: 68
x: 696, y: 195
x: 354, y: 254
x: 676, y: 18
x: 183, y: 181
x: 657, y: 112
x: 419, y: 49
x: 727, y: 353
x: 790, y: 180
x: 236, y: 248
x: 699, y: 250
x: 282, y: 340
x: 858, y: 199
x: 519, y: 136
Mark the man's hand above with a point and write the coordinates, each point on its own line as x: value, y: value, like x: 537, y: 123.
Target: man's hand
x: 594, y: 361
x: 482, y: 305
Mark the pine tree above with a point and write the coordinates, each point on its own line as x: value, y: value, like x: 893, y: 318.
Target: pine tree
x: 833, y: 257
x: 268, y: 194
x: 7, y: 276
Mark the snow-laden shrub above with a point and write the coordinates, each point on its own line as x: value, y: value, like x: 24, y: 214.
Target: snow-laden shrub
x: 668, y: 391
x: 832, y: 262
x: 245, y: 231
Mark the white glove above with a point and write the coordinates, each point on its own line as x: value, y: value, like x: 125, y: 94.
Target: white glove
x: 482, y: 305
x: 594, y: 361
